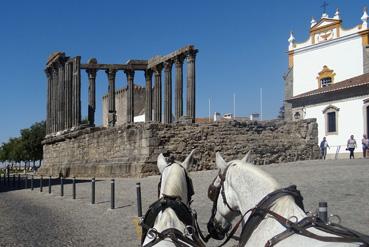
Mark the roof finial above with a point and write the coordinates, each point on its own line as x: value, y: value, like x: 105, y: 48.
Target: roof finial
x: 365, y: 18
x: 312, y: 22
x: 324, y: 6
x: 291, y: 40
x: 337, y: 14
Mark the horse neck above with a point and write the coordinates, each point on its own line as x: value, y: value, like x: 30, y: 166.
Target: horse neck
x: 250, y: 185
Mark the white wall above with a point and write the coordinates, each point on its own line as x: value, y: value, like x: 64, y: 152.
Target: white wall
x: 345, y: 57
x: 350, y: 122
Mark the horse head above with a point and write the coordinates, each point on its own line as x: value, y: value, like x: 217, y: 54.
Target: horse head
x: 174, y: 181
x: 234, y: 177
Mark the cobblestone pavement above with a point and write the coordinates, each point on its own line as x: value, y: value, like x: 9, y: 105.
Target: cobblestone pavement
x: 33, y: 218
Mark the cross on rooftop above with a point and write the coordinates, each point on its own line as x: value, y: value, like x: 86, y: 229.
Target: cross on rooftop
x: 324, y: 6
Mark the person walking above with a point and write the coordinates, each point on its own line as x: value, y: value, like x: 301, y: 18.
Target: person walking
x: 323, y: 148
x: 351, y: 145
x: 365, y: 144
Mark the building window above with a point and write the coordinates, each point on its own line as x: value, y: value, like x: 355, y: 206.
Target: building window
x: 325, y: 81
x: 297, y: 116
x: 325, y: 77
x: 331, y: 120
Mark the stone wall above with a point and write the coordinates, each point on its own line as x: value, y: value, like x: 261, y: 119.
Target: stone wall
x: 132, y: 150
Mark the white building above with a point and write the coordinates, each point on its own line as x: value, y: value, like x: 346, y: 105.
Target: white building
x: 327, y: 79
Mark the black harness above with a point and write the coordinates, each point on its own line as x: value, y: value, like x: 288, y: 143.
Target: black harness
x: 184, y: 214
x: 262, y: 209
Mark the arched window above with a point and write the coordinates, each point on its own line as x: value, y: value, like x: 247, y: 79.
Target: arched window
x: 297, y: 116
x: 331, y: 120
x: 325, y: 77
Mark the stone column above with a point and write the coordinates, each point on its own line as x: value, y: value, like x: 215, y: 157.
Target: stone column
x: 68, y: 77
x: 179, y: 87
x: 91, y: 92
x: 168, y: 92
x: 191, y: 84
x: 61, y: 89
x: 157, y: 73
x: 76, y: 92
x: 148, y: 98
x: 111, y: 97
x: 48, y: 102
x: 130, y: 103
x: 54, y: 103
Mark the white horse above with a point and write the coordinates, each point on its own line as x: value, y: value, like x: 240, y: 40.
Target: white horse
x: 175, y: 190
x: 245, y: 185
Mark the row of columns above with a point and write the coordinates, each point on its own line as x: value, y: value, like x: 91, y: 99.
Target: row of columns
x: 156, y: 95
x: 63, y: 94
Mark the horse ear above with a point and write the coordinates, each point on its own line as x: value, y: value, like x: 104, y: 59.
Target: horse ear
x: 162, y: 163
x: 220, y: 162
x: 186, y: 163
x: 246, y: 159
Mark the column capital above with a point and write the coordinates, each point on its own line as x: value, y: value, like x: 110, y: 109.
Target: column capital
x: 111, y: 73
x: 179, y: 60
x: 48, y: 72
x: 148, y: 74
x: 157, y: 69
x: 91, y: 72
x: 191, y: 55
x: 168, y: 65
x: 130, y: 73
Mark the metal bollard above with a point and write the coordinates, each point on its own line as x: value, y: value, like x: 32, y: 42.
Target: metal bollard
x: 74, y: 188
x: 112, y: 199
x: 41, y: 183
x: 49, y: 184
x: 61, y: 186
x: 26, y: 182
x: 8, y: 178
x: 323, y: 211
x: 139, y: 204
x: 93, y: 191
x: 13, y: 180
x: 19, y: 179
x: 32, y: 182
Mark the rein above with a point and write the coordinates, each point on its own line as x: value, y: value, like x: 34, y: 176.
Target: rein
x: 184, y: 213
x: 262, y: 209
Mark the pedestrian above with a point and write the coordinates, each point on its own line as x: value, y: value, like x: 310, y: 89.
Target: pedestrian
x: 351, y: 145
x: 323, y: 148
x: 365, y: 144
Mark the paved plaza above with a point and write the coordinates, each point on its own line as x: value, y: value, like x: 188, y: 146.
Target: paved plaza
x: 33, y: 218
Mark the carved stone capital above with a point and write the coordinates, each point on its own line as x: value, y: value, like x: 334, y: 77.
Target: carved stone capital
x: 178, y: 60
x: 148, y: 74
x: 48, y: 72
x: 157, y: 69
x: 130, y: 74
x: 191, y: 55
x: 111, y: 73
x: 91, y: 72
x: 168, y: 65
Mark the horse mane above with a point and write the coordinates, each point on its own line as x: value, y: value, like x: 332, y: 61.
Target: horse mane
x: 249, y: 168
x: 175, y: 183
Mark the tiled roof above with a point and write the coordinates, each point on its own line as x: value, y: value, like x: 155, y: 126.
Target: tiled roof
x: 338, y: 86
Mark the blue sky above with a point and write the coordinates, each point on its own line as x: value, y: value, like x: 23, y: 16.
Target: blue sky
x: 242, y: 47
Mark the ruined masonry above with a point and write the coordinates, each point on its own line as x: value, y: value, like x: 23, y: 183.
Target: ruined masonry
x: 125, y: 148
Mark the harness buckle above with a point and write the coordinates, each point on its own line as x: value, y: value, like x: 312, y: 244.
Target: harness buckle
x: 152, y: 233
x: 293, y: 219
x: 189, y: 231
